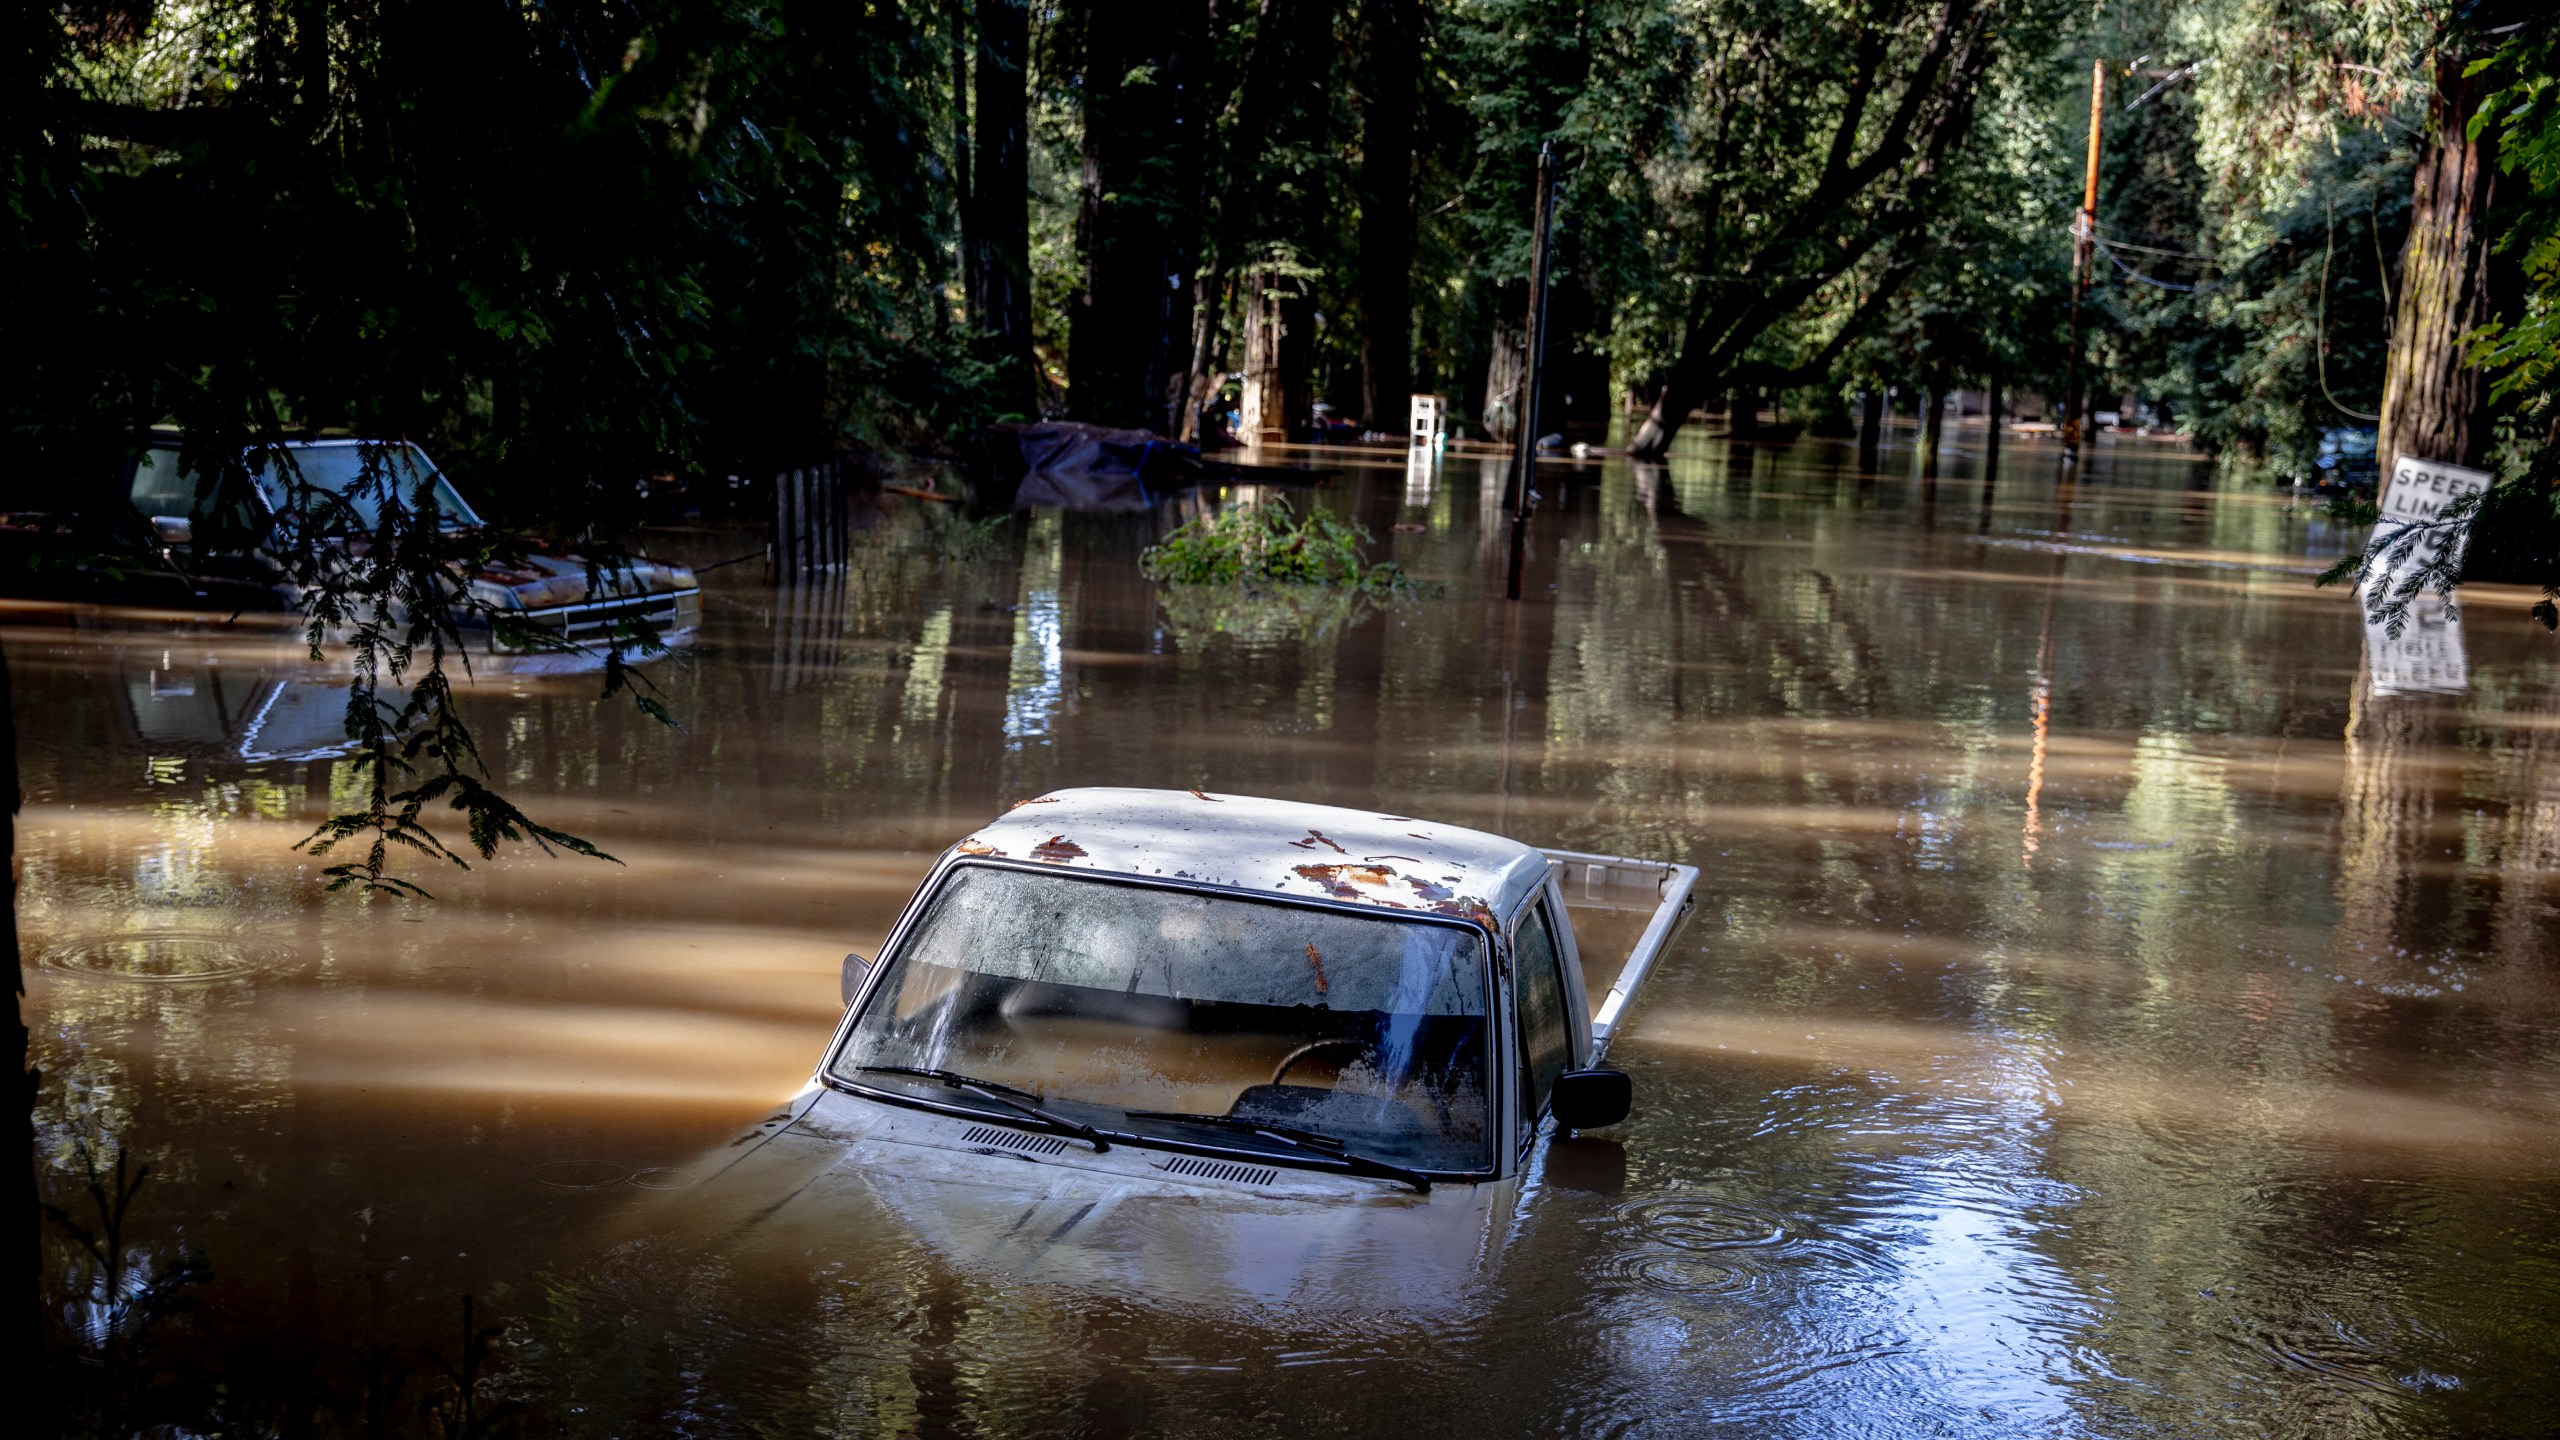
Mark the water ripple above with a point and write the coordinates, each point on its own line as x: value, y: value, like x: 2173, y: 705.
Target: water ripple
x: 159, y: 957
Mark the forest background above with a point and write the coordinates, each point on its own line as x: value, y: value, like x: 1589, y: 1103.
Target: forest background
x: 570, y: 243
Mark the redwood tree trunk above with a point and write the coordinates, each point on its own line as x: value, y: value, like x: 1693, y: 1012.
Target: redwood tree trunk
x: 1131, y: 340
x: 2433, y: 403
x: 1386, y: 213
x: 998, y: 229
x: 1262, y: 413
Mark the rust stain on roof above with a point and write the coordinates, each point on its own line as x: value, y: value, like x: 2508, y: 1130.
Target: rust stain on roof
x: 1342, y: 881
x: 1467, y: 907
x: 1315, y: 838
x: 1212, y: 799
x: 976, y: 847
x: 1057, y: 850
x: 1364, y: 882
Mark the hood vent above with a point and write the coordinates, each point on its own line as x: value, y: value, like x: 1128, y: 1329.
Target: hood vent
x: 1014, y: 1140
x: 1213, y: 1170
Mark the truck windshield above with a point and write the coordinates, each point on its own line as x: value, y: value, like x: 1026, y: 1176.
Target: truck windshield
x: 1106, y: 998
x: 357, y: 472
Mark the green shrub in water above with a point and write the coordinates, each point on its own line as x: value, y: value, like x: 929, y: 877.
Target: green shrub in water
x: 1259, y: 547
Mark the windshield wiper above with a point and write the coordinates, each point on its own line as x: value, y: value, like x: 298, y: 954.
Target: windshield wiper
x: 1021, y: 1101
x: 1308, y: 1141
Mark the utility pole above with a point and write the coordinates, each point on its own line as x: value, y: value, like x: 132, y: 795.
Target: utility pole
x: 2084, y: 245
x: 1533, y: 367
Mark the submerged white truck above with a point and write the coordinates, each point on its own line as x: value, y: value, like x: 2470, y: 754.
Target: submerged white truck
x: 1118, y: 1032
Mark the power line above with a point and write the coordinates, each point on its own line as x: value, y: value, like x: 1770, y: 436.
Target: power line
x: 2172, y: 78
x: 2110, y: 250
x: 2156, y: 250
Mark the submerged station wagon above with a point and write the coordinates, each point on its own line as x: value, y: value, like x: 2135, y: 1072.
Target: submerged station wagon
x: 1175, y: 1042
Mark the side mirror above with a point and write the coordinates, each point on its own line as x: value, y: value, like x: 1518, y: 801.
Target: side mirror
x: 856, y: 970
x: 173, y: 529
x: 1590, y: 1099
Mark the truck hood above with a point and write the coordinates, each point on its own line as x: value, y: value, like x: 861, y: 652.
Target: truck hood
x: 543, y: 582
x: 1135, y: 1225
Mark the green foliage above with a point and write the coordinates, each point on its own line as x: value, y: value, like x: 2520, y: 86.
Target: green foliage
x: 1982, y: 282
x: 1258, y: 573
x: 2516, y: 535
x: 1057, y: 262
x: 2523, y: 116
x: 688, y: 233
x: 2254, y: 191
x: 1266, y: 548
x: 2286, y: 337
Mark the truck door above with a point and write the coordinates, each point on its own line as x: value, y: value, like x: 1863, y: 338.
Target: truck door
x: 1541, y: 1021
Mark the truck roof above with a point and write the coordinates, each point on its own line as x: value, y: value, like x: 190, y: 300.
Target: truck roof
x: 1240, y: 841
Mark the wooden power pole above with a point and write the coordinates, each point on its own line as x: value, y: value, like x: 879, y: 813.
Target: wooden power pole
x: 1533, y: 367
x: 2084, y: 248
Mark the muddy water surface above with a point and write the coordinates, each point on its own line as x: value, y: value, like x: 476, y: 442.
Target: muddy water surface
x: 2108, y: 1011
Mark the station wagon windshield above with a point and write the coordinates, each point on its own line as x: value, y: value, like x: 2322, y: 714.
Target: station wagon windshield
x: 1110, y: 1000
x: 359, y: 473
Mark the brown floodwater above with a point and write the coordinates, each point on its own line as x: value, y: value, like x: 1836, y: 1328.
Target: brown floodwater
x: 2109, y: 1009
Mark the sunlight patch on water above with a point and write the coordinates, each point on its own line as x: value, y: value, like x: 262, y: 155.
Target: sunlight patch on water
x: 603, y: 1055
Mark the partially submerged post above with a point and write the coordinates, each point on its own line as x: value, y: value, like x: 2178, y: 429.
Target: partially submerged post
x: 1524, y: 437
x: 809, y: 522
x: 1991, y: 427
